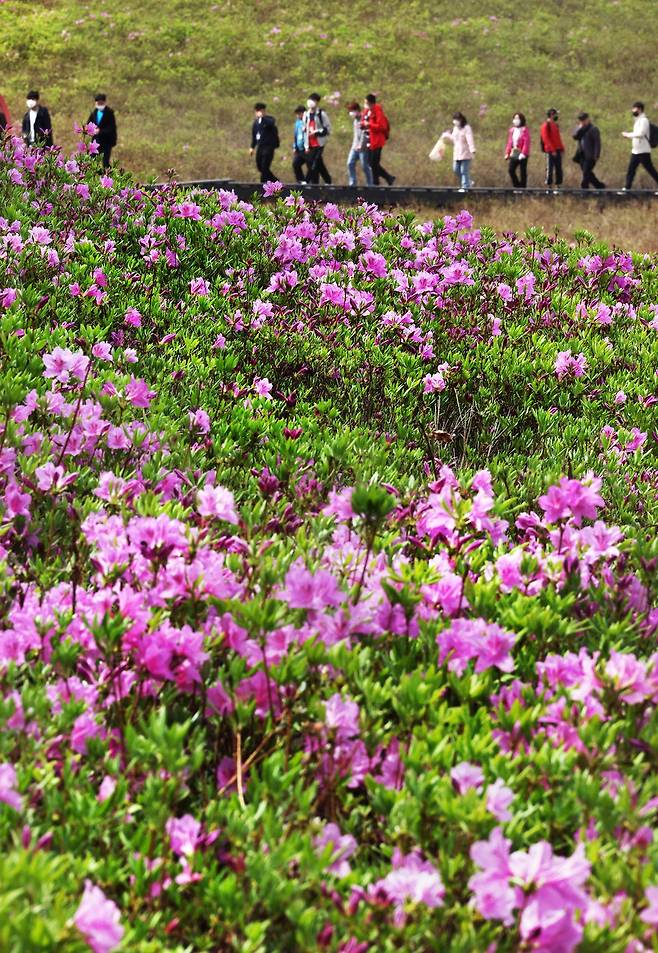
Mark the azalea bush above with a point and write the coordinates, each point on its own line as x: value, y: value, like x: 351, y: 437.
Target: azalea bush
x: 328, y: 598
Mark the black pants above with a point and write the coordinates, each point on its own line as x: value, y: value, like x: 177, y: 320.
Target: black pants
x: 519, y: 181
x: 587, y: 165
x: 298, y: 163
x: 378, y: 170
x: 316, y: 166
x: 643, y: 159
x: 553, y: 168
x: 104, y: 151
x: 264, y: 156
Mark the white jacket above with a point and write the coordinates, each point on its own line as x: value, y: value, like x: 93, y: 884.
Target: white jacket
x: 640, y: 135
x: 322, y: 123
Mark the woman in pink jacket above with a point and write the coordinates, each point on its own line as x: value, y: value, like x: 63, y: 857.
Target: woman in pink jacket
x: 517, y: 151
x: 463, y: 145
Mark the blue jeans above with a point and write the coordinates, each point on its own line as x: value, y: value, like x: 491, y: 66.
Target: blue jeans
x: 362, y: 157
x: 462, y: 169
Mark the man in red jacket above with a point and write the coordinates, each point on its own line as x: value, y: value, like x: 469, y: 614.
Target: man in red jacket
x: 376, y: 128
x: 552, y: 145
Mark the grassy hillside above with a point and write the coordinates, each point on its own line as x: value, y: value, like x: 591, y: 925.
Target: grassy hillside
x: 183, y: 74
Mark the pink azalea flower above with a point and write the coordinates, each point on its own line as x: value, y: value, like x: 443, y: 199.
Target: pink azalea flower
x: 199, y: 287
x: 466, y: 776
x: 99, y: 920
x: 138, y: 393
x: 342, y: 717
x: 133, y: 318
x: 184, y: 834
x: 62, y: 364
x: 307, y: 590
x: 263, y: 387
x: 411, y: 879
x: 7, y: 297
x: 498, y: 798
x: 467, y: 639
x: 572, y: 499
x: 271, y: 188
x: 650, y: 914
x: 343, y: 846
x: 217, y: 502
x: 8, y: 781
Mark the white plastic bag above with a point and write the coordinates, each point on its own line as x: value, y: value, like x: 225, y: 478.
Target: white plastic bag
x: 438, y: 151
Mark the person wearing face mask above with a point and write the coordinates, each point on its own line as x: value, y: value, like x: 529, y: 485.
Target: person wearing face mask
x: 358, y: 151
x: 106, y: 137
x: 37, y: 128
x: 517, y: 151
x: 316, y: 129
x: 298, y: 150
x: 588, y: 153
x: 641, y: 145
x: 463, y: 145
x: 376, y: 127
x: 264, y: 140
x: 552, y: 145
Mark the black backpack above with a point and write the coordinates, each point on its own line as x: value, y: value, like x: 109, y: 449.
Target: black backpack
x: 653, y: 135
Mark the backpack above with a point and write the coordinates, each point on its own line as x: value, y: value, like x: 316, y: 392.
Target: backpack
x: 653, y: 135
x: 325, y: 131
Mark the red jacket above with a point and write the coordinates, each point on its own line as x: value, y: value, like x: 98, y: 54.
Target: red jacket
x: 523, y: 143
x: 377, y: 124
x: 551, y: 139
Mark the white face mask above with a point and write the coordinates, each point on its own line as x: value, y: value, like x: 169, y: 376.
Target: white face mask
x: 353, y: 114
x: 455, y: 122
x: 100, y: 106
x: 516, y: 121
x: 31, y: 103
x: 310, y: 104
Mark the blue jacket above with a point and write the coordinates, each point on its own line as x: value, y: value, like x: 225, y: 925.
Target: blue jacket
x: 298, y: 136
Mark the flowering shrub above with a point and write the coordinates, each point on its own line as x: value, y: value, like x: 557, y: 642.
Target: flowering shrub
x: 327, y: 595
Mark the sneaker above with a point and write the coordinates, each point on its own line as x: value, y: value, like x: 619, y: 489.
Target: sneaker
x: 601, y: 185
x: 391, y: 179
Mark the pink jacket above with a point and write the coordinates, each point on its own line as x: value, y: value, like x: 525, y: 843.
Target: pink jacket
x: 523, y: 144
x: 462, y: 141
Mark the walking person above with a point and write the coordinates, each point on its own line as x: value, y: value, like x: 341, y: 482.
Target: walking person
x: 588, y: 153
x: 264, y: 140
x: 640, y: 145
x: 358, y: 150
x: 553, y: 147
x: 103, y: 118
x: 316, y: 129
x: 463, y: 149
x: 5, y: 118
x: 298, y: 150
x: 517, y: 151
x: 376, y: 128
x: 37, y: 129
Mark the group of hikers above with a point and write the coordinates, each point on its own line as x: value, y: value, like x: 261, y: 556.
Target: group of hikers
x: 37, y: 127
x: 370, y: 132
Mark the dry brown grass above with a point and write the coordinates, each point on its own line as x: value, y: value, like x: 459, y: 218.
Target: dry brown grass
x: 632, y: 226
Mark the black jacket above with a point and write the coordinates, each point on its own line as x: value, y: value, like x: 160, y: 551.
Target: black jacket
x: 43, y: 127
x: 107, y: 128
x: 264, y: 133
x: 589, y: 141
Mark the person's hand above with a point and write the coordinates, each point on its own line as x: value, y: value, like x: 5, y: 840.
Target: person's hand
x: 521, y: 155
x: 251, y: 152
x: 506, y: 156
